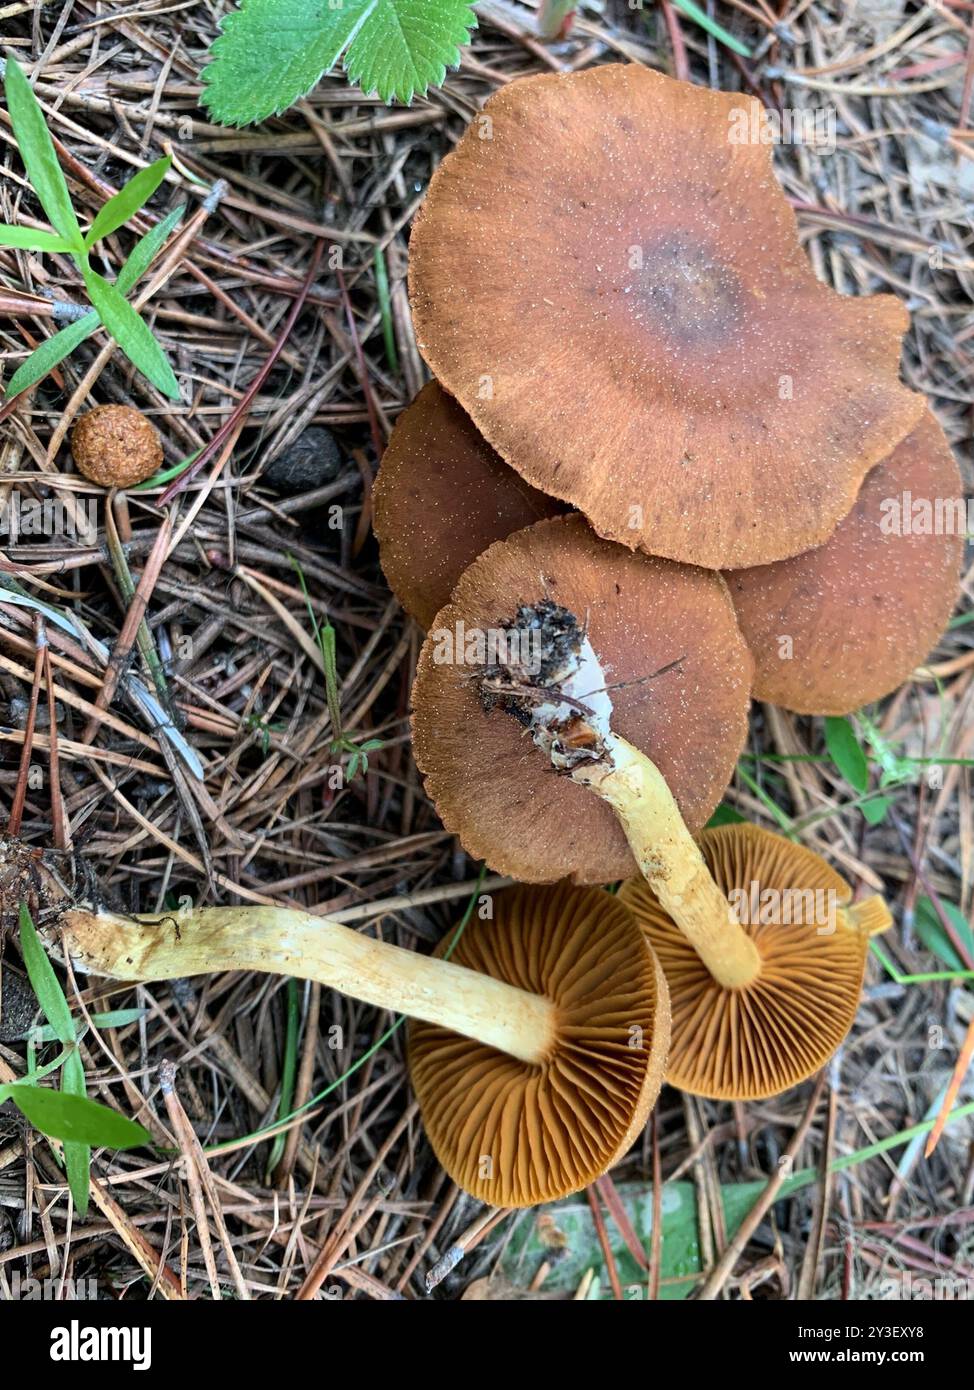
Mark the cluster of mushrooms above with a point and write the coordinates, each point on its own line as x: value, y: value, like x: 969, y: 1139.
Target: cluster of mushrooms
x: 652, y: 460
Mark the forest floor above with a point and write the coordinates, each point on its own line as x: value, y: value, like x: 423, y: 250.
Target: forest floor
x: 350, y: 1201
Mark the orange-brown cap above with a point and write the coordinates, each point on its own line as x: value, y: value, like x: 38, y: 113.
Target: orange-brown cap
x: 760, y: 1039
x: 512, y: 1133
x: 492, y: 786
x: 846, y: 623
x: 441, y: 497
x: 607, y: 276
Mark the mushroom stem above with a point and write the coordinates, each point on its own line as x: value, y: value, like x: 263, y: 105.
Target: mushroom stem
x: 670, y: 860
x: 286, y: 941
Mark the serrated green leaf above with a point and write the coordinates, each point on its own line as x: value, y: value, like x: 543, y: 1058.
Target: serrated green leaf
x: 48, y: 354
x: 27, y: 239
x: 127, y: 201
x: 76, y: 1119
x: 271, y: 52
x: 37, y: 151
x: 845, y: 752
x: 43, y: 980
x: 131, y: 333
x: 405, y: 46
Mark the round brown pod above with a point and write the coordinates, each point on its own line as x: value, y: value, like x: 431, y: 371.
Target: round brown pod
x: 441, y: 497
x: 515, y: 1133
x: 846, y: 623
x: 607, y: 276
x: 771, y: 1033
x: 116, y: 446
x: 678, y: 674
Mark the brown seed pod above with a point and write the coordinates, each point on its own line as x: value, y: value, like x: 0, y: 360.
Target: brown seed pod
x: 515, y: 1133
x: 865, y: 608
x: 116, y: 446
x: 612, y: 286
x: 768, y: 1035
x: 441, y: 497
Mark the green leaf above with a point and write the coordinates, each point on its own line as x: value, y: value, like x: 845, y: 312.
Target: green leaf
x: 876, y: 807
x: 405, y: 46
x: 77, y: 1151
x: 61, y: 344
x: 930, y: 930
x: 127, y: 201
x: 43, y: 980
x: 75, y: 1119
x: 724, y: 815
x: 271, y: 52
x: 48, y: 354
x: 37, y: 151
x: 145, y: 251
x: 845, y: 752
x: 131, y: 333
x: 26, y: 239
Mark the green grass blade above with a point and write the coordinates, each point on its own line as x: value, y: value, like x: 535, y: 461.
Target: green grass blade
x: 145, y: 251
x: 48, y: 354
x: 127, y: 201
x: 44, y: 982
x: 27, y: 239
x: 711, y: 26
x: 131, y: 333
x: 37, y: 151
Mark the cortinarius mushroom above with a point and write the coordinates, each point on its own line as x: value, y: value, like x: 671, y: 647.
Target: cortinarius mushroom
x: 116, y: 446
x: 844, y: 624
x: 771, y: 1031
x: 441, y: 497
x: 608, y: 278
x: 541, y: 1045
x: 552, y: 613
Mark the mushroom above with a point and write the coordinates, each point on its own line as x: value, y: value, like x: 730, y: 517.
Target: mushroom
x: 844, y: 624
x: 536, y: 1052
x: 768, y: 1033
x: 555, y: 609
x: 607, y: 277
x: 116, y: 446
x: 758, y: 1004
x: 442, y: 495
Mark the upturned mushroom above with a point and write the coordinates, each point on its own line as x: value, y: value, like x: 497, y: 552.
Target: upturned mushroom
x: 761, y: 1034
x: 536, y: 1052
x: 628, y: 317
x: 441, y: 497
x: 844, y: 624
x: 554, y: 623
x: 760, y: 1000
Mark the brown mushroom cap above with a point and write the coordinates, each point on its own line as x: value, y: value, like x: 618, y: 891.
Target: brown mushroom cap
x: 491, y: 785
x: 864, y: 609
x: 758, y: 1040
x: 116, y: 446
x: 441, y: 497
x: 613, y: 288
x: 514, y: 1134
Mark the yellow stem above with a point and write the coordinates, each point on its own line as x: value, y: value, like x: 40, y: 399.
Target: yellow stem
x: 670, y: 860
x: 284, y: 941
